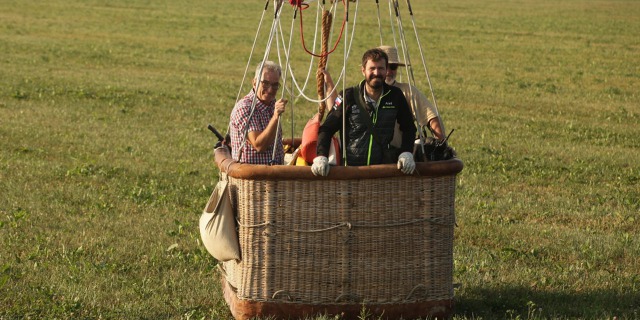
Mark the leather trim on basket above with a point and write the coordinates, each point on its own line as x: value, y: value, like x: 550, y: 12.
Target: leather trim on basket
x: 248, y: 309
x: 264, y: 172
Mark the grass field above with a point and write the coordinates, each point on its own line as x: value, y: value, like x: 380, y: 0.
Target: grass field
x: 105, y: 160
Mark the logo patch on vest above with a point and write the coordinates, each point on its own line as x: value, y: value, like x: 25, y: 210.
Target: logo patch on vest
x: 388, y: 105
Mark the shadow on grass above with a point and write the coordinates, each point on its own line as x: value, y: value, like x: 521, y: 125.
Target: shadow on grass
x: 527, y: 303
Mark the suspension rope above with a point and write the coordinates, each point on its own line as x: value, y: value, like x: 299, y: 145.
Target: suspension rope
x: 308, y: 76
x: 379, y: 21
x: 344, y: 67
x: 393, y: 29
x: 315, y: 36
x: 284, y: 82
x: 283, y: 47
x: 295, y: 14
x: 284, y: 79
x: 424, y: 63
x: 409, y: 70
x: 276, y: 33
x: 255, y: 39
x: 341, y: 75
x: 245, y: 130
x: 337, y: 41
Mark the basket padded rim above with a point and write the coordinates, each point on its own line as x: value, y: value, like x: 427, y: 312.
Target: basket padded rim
x: 225, y: 163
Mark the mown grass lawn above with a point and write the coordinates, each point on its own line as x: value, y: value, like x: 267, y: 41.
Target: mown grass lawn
x: 105, y: 160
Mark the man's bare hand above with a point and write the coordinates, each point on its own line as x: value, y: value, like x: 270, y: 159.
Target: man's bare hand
x: 280, y: 107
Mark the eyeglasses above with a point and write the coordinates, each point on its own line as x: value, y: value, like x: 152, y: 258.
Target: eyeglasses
x: 267, y: 85
x: 393, y: 66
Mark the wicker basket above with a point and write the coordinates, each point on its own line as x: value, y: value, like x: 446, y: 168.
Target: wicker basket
x: 362, y: 237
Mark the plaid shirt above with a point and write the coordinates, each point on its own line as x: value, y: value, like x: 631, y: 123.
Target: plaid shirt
x: 258, y: 122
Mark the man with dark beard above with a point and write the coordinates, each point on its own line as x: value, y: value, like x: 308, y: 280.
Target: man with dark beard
x: 372, y: 109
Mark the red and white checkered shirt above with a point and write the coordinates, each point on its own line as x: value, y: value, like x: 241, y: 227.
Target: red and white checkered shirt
x: 258, y: 122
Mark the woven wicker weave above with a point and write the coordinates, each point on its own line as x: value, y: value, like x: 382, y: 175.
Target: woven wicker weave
x: 338, y: 241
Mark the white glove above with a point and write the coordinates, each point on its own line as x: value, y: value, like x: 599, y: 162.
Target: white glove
x: 320, y: 166
x: 406, y: 163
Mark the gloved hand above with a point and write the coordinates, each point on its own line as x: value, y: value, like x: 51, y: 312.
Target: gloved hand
x: 405, y: 163
x: 320, y: 166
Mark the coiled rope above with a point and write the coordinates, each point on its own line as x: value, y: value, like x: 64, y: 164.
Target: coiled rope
x: 327, y: 18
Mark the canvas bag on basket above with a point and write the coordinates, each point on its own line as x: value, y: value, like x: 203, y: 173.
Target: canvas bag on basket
x: 218, y: 225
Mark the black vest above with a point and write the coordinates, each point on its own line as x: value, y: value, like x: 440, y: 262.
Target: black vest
x: 365, y: 146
